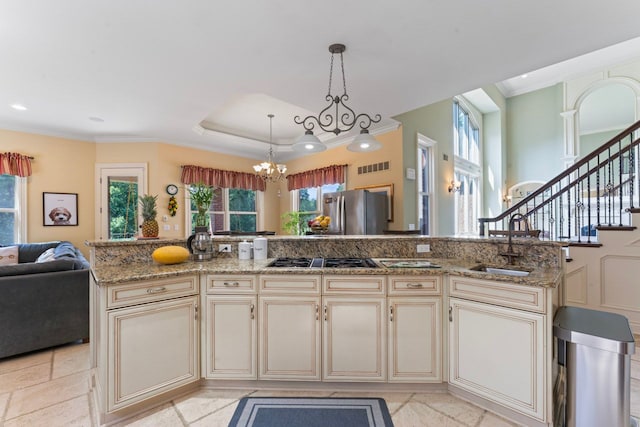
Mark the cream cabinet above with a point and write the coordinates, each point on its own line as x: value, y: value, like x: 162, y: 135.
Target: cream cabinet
x: 354, y: 330
x: 152, y: 340
x: 415, y: 328
x: 415, y: 339
x: 290, y: 328
x: 500, y: 351
x: 229, y: 331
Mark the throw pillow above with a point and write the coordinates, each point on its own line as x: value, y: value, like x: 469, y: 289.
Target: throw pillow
x: 8, y: 255
x: 47, y: 255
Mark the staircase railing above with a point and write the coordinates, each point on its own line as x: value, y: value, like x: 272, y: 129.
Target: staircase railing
x: 597, y: 191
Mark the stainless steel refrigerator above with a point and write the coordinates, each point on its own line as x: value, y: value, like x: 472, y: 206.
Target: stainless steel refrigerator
x: 356, y: 212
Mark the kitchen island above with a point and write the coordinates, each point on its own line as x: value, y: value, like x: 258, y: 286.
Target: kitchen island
x: 435, y: 324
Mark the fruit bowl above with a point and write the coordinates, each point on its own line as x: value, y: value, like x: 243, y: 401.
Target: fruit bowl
x: 318, y: 229
x: 319, y: 224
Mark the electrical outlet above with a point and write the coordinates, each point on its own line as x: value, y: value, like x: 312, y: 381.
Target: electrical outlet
x: 176, y: 227
x: 224, y: 248
x: 423, y: 248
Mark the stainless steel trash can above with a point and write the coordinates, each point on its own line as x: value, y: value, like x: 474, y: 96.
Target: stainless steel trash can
x: 594, y: 357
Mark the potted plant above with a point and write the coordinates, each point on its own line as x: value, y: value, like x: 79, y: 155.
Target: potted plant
x: 293, y: 223
x: 202, y: 195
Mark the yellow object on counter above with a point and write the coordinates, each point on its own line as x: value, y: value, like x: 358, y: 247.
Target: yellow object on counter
x: 170, y: 255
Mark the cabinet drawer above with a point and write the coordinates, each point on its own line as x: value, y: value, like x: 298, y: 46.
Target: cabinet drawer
x: 354, y: 285
x: 231, y: 284
x: 415, y: 285
x: 506, y: 294
x: 151, y: 290
x: 291, y: 283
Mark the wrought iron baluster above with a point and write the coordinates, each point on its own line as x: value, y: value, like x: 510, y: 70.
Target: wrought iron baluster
x: 588, y: 203
x: 620, y: 159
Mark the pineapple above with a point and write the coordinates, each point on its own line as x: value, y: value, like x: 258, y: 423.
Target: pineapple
x: 149, y: 212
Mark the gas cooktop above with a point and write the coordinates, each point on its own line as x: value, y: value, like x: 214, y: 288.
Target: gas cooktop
x: 324, y: 262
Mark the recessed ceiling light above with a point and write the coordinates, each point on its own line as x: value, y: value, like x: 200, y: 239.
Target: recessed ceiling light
x: 524, y: 76
x: 18, y: 107
x: 96, y: 119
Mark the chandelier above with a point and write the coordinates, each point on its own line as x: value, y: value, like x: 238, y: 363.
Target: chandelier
x: 338, y: 122
x: 268, y: 170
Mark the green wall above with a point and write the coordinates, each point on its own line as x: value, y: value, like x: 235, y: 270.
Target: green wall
x: 590, y: 142
x: 433, y: 121
x: 535, y: 132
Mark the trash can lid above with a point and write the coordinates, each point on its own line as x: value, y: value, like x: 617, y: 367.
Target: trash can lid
x: 598, y: 329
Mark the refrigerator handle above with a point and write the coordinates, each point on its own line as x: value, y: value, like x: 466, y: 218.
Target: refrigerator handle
x: 342, y: 215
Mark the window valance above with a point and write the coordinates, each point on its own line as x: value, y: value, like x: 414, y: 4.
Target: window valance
x: 221, y: 178
x: 15, y: 164
x: 334, y: 174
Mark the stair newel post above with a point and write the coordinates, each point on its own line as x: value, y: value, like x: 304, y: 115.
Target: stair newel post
x: 598, y: 193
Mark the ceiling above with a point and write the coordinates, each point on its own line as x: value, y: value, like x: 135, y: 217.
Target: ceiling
x: 206, y: 73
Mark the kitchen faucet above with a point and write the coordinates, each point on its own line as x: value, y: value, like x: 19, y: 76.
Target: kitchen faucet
x: 510, y: 254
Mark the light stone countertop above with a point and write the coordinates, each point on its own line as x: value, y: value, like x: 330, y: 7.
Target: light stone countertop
x: 131, y: 272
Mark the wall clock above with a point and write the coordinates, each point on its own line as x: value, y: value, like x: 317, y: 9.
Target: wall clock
x: 172, y: 189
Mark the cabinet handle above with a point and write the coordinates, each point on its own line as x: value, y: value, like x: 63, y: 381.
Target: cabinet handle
x: 450, y: 314
x: 414, y: 285
x: 325, y: 313
x: 317, y: 311
x: 252, y: 307
x: 196, y: 312
x: 156, y: 290
x: 234, y: 284
x: 391, y: 313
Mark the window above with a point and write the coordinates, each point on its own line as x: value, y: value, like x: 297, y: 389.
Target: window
x: 12, y: 209
x: 467, y: 170
x: 425, y: 174
x: 308, y: 201
x: 232, y: 209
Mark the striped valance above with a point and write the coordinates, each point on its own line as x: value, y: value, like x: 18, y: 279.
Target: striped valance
x: 15, y: 164
x: 221, y: 178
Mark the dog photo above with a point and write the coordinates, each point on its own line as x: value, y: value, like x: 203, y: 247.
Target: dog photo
x: 60, y: 209
x: 60, y: 216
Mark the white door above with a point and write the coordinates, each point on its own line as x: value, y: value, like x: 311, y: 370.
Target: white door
x: 415, y: 339
x: 498, y: 353
x: 354, y: 339
x: 153, y: 348
x: 289, y: 338
x: 230, y: 337
x: 118, y: 186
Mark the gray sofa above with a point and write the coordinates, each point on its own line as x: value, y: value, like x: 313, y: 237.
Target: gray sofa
x: 43, y: 304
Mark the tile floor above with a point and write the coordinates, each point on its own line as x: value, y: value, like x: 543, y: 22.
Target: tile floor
x: 51, y: 388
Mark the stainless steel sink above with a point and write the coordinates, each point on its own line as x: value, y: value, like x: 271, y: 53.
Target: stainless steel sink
x: 501, y: 270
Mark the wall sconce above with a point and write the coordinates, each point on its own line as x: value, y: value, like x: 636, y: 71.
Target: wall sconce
x: 454, y: 186
x: 506, y: 199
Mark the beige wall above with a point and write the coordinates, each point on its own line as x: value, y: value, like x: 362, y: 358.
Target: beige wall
x: 163, y: 166
x: 68, y: 166
x: 60, y: 166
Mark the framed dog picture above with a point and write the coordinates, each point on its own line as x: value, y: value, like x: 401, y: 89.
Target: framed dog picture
x: 60, y: 208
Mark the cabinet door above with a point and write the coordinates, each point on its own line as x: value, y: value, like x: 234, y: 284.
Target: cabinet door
x: 230, y: 337
x: 498, y: 353
x: 153, y: 348
x: 415, y: 339
x: 289, y: 338
x: 354, y: 339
